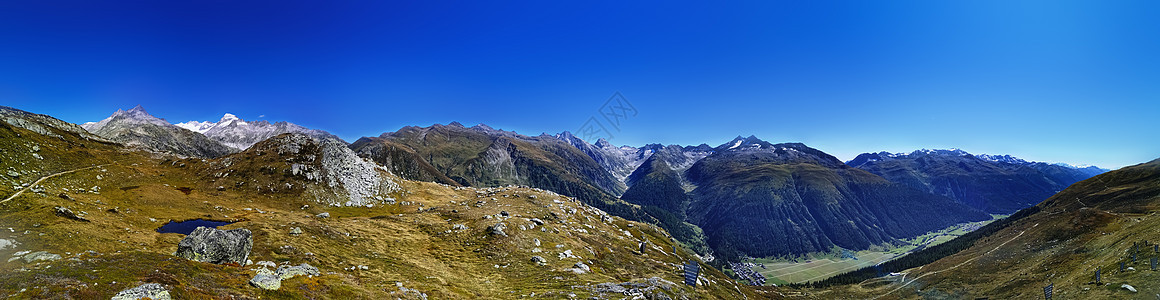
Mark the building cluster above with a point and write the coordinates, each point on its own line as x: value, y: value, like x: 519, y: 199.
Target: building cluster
x: 745, y: 272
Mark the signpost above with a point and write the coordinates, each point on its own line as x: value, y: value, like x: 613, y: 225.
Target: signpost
x: 692, y: 270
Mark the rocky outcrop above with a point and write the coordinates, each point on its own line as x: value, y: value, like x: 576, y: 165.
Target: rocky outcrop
x: 145, y: 291
x: 326, y: 164
x: 216, y: 246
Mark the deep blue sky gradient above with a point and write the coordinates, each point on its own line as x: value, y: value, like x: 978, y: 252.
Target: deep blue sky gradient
x: 1058, y: 81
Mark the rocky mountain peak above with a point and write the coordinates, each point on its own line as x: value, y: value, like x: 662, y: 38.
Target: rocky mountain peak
x: 229, y: 118
x: 136, y: 115
x: 603, y: 143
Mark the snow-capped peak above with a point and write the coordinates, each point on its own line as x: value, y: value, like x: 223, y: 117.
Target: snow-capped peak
x: 736, y: 144
x: 196, y: 126
x: 231, y: 118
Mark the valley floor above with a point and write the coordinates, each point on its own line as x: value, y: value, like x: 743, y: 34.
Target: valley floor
x: 825, y: 265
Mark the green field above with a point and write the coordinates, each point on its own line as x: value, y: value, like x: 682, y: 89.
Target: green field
x: 823, y: 265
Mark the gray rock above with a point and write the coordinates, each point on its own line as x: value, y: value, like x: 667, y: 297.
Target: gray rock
x: 295, y: 231
x: 65, y: 212
x: 287, y: 272
x: 6, y: 243
x: 537, y: 221
x: 539, y: 260
x: 1128, y: 287
x: 536, y: 241
x: 497, y: 229
x: 582, y: 266
x: 216, y: 246
x: 459, y: 227
x: 39, y: 256
x: 148, y: 291
x: 504, y: 213
x: 323, y: 215
x: 266, y: 281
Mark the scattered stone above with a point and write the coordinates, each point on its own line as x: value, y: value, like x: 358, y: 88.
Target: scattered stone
x: 6, y: 243
x: 269, y: 264
x: 1129, y: 288
x: 582, y: 266
x: 459, y: 227
x: 39, y: 256
x: 216, y: 246
x: 67, y: 213
x: 566, y: 254
x: 536, y: 241
x: 539, y: 260
x: 145, y: 291
x: 537, y: 221
x: 504, y: 213
x: 497, y: 229
x: 295, y: 231
x: 287, y: 272
x: 323, y: 215
x: 266, y: 281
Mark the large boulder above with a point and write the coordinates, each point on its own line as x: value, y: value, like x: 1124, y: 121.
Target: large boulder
x: 145, y: 291
x: 216, y: 246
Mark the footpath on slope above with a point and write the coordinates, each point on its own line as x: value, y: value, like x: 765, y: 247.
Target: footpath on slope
x: 38, y: 181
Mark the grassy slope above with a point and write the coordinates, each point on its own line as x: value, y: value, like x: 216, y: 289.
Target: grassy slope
x: 406, y: 244
x: 1092, y: 224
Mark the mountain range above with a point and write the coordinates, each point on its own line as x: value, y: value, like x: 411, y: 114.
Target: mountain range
x: 84, y: 218
x: 747, y: 197
x: 137, y: 128
x: 999, y: 184
x: 744, y: 198
x: 240, y: 134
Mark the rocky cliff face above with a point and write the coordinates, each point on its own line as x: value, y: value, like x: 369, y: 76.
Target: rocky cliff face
x: 137, y: 128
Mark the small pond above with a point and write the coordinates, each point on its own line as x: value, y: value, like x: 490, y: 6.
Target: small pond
x: 187, y: 227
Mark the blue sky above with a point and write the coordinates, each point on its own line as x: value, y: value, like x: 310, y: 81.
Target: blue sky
x: 1059, y: 81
